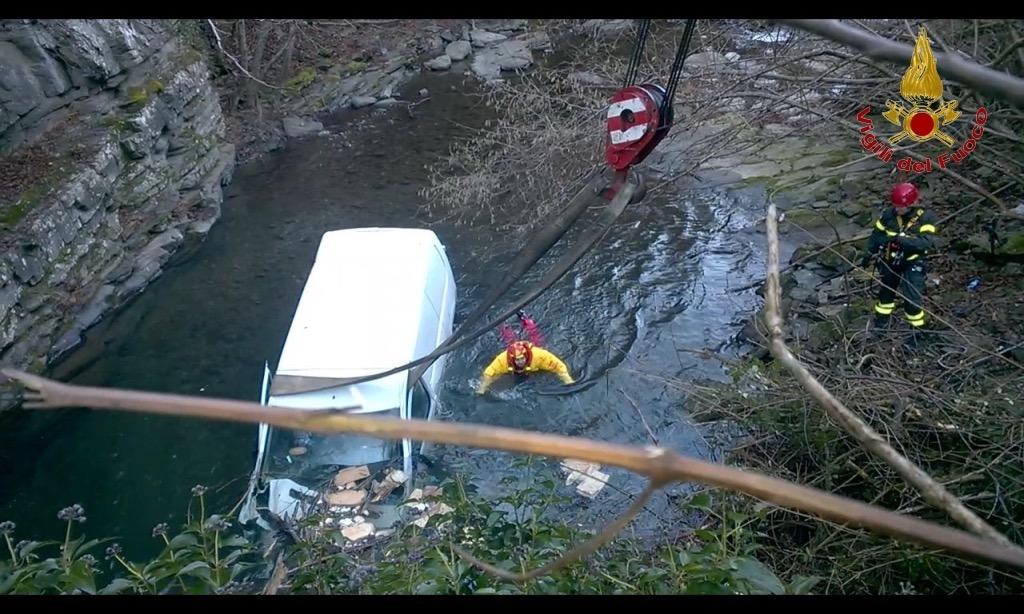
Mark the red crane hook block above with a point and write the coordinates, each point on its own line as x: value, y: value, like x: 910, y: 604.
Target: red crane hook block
x: 635, y: 126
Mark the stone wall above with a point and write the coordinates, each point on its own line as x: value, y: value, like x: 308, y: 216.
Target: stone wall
x: 111, y: 157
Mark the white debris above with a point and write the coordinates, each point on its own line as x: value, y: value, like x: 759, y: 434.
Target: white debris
x: 592, y: 484
x: 345, y: 522
x: 416, y: 495
x: 435, y: 509
x: 397, y: 476
x: 440, y: 508
x: 589, y: 480
x: 359, y: 531
x: 358, y: 519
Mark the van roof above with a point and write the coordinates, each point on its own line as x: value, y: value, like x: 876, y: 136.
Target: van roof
x: 359, y: 311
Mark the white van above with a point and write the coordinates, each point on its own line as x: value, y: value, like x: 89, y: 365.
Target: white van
x: 375, y: 298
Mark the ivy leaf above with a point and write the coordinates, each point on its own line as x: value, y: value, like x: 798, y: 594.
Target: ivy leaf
x: 802, y: 585
x: 701, y: 501
x: 235, y: 541
x: 80, y: 577
x: 200, y: 569
x: 183, y: 541
x: 759, y: 576
x: 116, y: 586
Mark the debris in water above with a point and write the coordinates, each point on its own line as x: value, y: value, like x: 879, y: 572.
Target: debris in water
x: 297, y: 451
x: 394, y: 480
x: 436, y: 509
x: 589, y: 479
x: 349, y: 498
x: 416, y: 495
x: 351, y: 475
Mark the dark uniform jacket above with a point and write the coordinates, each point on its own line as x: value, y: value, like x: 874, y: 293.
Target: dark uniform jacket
x: 914, y: 233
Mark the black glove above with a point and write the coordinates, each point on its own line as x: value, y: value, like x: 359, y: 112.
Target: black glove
x: 521, y: 314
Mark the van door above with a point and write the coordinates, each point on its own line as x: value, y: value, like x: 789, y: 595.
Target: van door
x: 441, y: 291
x: 420, y: 406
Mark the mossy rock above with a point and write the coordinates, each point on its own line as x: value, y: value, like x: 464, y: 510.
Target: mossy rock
x: 822, y: 335
x: 1011, y: 245
x: 141, y: 94
x: 858, y: 308
x: 837, y: 257
x: 1014, y: 245
x: 13, y: 213
x: 302, y: 79
x: 813, y: 218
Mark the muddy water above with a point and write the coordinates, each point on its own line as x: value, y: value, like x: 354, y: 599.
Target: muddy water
x: 656, y: 286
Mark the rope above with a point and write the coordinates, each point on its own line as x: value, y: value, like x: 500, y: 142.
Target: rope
x: 638, y: 51
x: 677, y: 67
x: 459, y: 338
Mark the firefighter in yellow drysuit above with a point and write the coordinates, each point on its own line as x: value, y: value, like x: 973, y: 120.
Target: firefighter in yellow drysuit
x: 522, y: 357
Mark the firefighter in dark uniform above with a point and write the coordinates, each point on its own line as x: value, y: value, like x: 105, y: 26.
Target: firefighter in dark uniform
x: 901, y: 239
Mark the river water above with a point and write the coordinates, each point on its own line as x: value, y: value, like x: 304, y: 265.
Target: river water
x: 657, y: 285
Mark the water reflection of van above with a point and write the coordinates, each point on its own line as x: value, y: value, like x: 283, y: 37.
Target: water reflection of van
x: 375, y: 298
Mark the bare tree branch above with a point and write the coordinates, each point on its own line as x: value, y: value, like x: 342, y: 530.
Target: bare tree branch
x: 982, y: 78
x: 234, y: 60
x: 659, y: 465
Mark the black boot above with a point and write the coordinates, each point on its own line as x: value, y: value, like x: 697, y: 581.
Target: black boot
x: 881, y: 325
x: 918, y: 336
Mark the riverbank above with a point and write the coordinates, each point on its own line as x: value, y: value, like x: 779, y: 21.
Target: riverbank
x: 950, y: 403
x: 650, y: 295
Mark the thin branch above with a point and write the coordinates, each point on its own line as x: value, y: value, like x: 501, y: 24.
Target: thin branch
x: 932, y: 491
x: 234, y: 60
x: 1017, y: 44
x: 650, y: 433
x: 659, y: 465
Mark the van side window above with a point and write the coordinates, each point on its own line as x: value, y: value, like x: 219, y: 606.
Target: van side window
x: 420, y: 408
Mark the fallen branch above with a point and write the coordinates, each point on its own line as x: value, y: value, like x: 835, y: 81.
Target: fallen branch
x: 982, y: 78
x: 932, y: 491
x: 659, y: 465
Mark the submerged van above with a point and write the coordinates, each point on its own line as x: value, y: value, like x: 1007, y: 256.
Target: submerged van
x: 376, y: 298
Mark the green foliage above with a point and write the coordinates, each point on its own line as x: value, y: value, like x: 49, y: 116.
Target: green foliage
x: 203, y: 558
x: 516, y: 532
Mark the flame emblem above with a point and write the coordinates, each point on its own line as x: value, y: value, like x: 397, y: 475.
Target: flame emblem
x: 922, y: 88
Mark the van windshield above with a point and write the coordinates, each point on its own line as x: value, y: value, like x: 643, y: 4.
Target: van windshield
x: 325, y: 454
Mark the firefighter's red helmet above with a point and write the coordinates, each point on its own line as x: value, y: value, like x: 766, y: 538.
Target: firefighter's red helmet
x: 522, y: 350
x: 904, y: 194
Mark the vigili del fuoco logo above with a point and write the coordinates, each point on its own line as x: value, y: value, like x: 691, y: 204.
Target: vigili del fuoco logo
x: 923, y: 117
